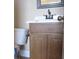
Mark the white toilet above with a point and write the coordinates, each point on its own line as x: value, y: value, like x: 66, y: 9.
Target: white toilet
x: 20, y: 36
x: 25, y: 53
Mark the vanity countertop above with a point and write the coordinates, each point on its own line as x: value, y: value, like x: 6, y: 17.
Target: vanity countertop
x: 42, y: 21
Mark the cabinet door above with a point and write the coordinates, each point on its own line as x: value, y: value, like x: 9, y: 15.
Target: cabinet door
x: 38, y: 46
x: 55, y: 42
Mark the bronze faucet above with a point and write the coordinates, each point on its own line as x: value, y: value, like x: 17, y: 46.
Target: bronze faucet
x: 49, y: 16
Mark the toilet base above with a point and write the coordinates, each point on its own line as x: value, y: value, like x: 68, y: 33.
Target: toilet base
x: 24, y: 57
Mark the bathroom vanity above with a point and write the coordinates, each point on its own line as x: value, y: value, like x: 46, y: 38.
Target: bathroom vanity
x: 46, y: 40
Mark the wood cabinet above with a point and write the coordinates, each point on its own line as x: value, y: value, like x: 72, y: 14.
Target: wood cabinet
x: 54, y: 47
x: 46, y: 40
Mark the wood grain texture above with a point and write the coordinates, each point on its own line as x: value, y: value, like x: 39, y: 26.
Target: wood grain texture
x: 46, y: 40
x: 56, y: 27
x: 54, y: 47
x: 38, y: 46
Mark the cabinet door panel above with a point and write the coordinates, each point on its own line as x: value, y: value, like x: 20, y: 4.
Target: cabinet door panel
x: 54, y: 47
x: 38, y: 46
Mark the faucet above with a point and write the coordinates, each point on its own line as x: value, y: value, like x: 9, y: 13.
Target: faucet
x: 49, y: 16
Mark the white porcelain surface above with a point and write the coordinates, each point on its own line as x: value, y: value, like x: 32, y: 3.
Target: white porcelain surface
x: 25, y: 53
x: 20, y: 36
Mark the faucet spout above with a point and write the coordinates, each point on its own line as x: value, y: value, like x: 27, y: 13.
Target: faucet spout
x: 49, y: 16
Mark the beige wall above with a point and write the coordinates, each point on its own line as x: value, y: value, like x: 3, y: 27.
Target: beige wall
x: 27, y: 10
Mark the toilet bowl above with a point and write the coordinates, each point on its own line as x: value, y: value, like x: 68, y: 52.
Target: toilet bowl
x: 25, y: 53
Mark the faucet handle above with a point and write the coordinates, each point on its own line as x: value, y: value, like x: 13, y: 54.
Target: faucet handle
x: 45, y: 16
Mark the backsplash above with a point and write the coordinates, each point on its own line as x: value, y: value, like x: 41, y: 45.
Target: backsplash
x: 26, y: 10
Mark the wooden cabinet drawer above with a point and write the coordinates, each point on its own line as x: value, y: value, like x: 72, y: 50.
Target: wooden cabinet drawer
x: 47, y: 27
